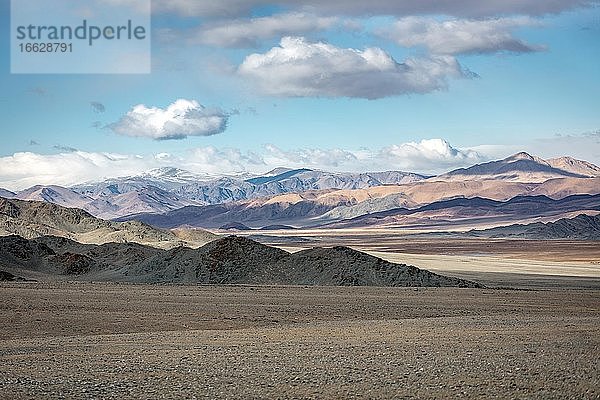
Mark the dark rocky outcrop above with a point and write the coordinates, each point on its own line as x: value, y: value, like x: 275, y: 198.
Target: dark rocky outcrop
x: 230, y: 260
x: 8, y: 277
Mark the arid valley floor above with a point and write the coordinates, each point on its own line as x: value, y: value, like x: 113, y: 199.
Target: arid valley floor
x: 525, y: 336
x: 513, y: 263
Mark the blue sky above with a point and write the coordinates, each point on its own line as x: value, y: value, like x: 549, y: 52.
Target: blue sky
x: 522, y: 79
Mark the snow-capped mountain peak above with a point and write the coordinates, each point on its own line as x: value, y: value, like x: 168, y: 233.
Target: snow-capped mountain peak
x: 173, y: 174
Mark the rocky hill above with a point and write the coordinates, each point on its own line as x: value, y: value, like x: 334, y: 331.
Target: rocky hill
x: 31, y: 219
x: 8, y: 277
x: 230, y: 260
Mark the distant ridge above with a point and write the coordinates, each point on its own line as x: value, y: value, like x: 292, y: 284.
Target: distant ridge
x: 475, y: 210
x: 318, y: 210
x: 6, y: 193
x: 278, y: 177
x: 235, y: 226
x: 277, y: 228
x: 582, y: 227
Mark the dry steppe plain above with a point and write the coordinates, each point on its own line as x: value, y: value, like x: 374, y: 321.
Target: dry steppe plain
x: 524, y: 336
x: 107, y: 340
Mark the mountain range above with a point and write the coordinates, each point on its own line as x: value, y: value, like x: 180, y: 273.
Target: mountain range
x: 171, y: 198
x: 166, y: 189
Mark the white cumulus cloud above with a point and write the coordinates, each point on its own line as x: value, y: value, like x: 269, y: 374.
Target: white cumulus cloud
x: 308, y: 158
x: 250, y: 32
x: 26, y: 169
x: 299, y: 68
x: 423, y: 155
x: 426, y: 156
x: 461, y: 36
x: 179, y: 120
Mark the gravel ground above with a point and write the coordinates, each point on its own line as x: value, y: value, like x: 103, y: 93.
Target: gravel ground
x: 76, y: 340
